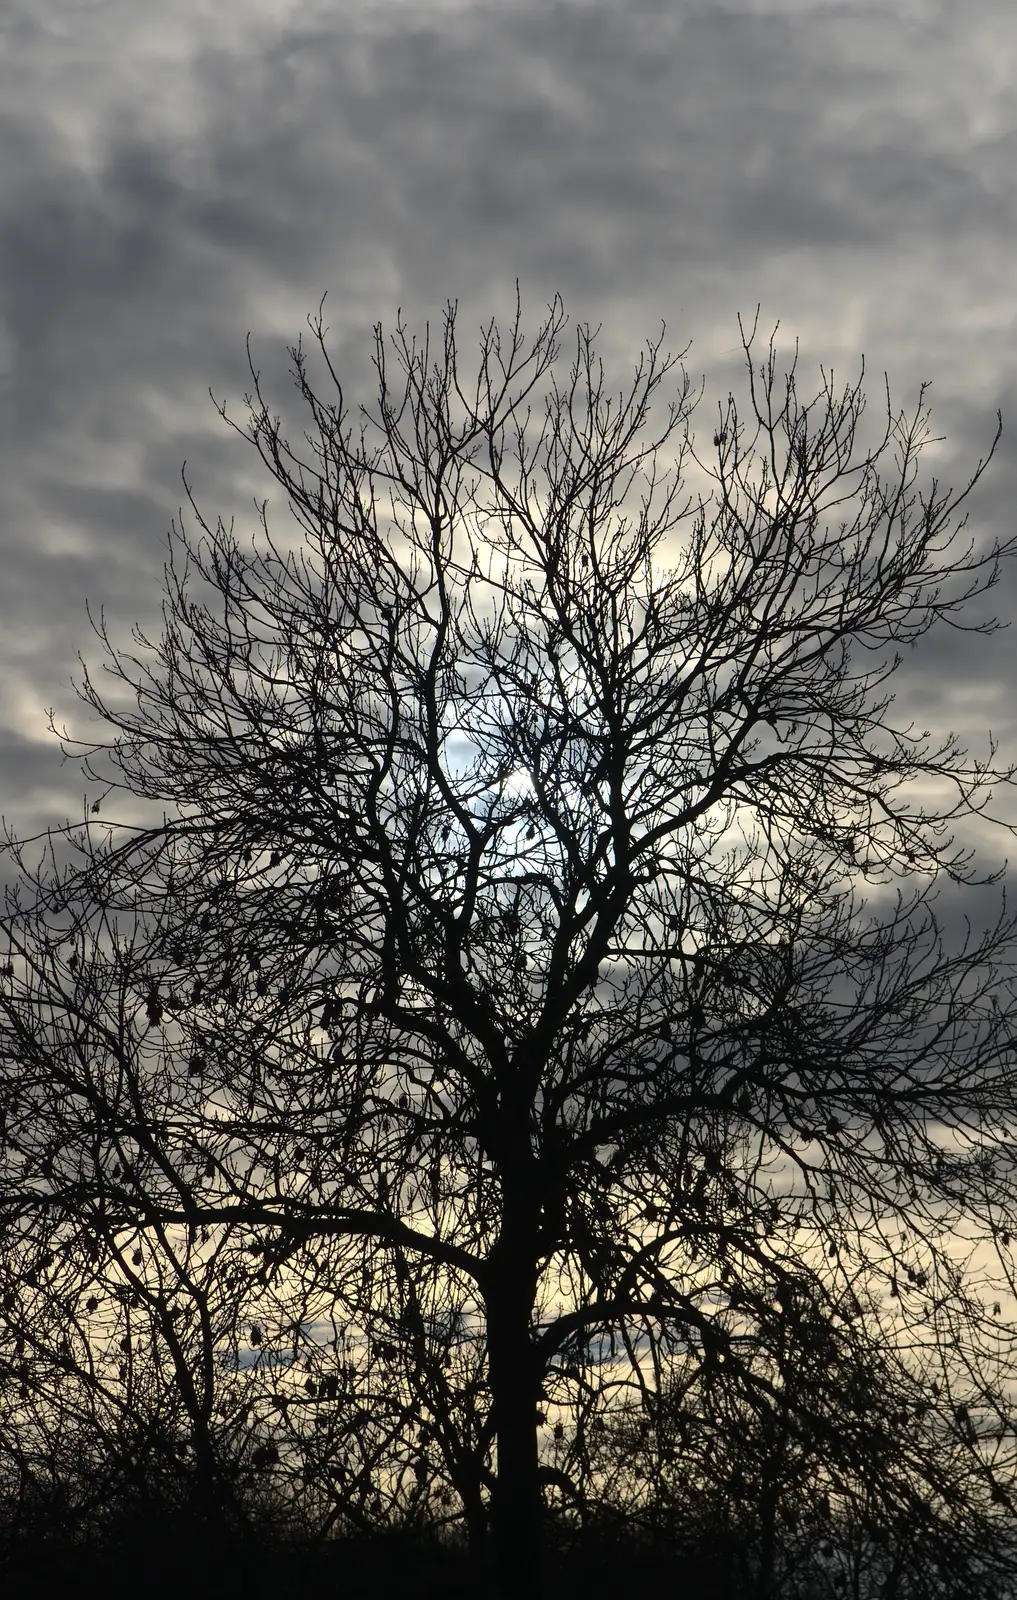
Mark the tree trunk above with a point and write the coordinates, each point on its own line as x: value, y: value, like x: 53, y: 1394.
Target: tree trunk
x: 517, y: 1504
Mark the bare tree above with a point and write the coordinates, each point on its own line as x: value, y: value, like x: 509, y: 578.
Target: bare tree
x: 531, y: 972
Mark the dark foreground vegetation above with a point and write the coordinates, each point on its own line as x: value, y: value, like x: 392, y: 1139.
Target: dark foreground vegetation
x: 160, y: 1535
x: 511, y: 1085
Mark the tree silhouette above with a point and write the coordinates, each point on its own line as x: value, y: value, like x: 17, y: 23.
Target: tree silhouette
x: 518, y: 990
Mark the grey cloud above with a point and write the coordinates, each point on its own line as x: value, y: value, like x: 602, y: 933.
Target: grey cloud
x: 848, y: 167
x: 34, y: 781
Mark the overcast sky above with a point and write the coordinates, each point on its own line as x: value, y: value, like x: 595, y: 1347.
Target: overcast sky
x: 175, y: 176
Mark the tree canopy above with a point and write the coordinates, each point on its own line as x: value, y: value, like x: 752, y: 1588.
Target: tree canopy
x: 511, y: 1061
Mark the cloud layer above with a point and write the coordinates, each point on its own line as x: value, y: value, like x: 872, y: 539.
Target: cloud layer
x: 174, y: 177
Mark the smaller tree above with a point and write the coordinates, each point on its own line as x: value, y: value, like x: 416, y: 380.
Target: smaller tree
x: 833, y: 1473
